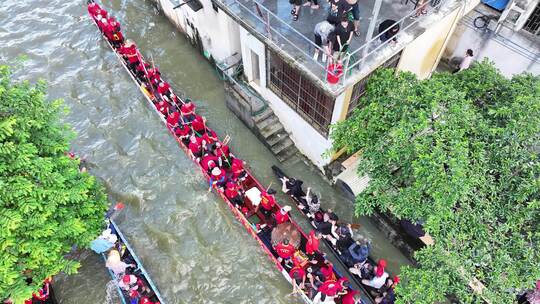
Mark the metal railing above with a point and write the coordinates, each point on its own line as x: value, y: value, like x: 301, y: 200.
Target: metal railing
x: 357, y: 59
x: 278, y: 32
x: 299, y: 48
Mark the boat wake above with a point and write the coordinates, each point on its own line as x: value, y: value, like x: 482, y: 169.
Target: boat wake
x: 112, y: 296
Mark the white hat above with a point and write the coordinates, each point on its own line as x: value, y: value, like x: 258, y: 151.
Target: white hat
x: 285, y: 209
x: 216, y: 171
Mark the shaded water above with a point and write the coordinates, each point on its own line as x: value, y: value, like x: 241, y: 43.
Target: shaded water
x: 188, y: 240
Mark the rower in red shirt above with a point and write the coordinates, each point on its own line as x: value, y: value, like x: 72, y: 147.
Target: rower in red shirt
x: 267, y: 202
x: 328, y: 271
x: 112, y: 28
x: 237, y: 168
x: 94, y: 9
x: 183, y: 133
x: 330, y: 288
x: 210, y: 136
x: 164, y: 89
x: 312, y: 244
x: 195, y: 147
x: 298, y: 277
x: 103, y: 24
x: 224, y: 154
x: 199, y: 125
x: 163, y: 107
x: 208, y: 163
x: 131, y: 54
x: 282, y: 215
x: 172, y: 120
x: 232, y: 192
x: 155, y: 76
x: 350, y: 297
x: 188, y: 110
x: 115, y: 24
x: 140, y: 70
x: 284, y: 250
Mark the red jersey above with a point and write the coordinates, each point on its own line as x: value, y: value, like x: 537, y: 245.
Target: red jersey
x: 102, y: 12
x: 103, y: 24
x: 163, y: 107
x: 349, y: 297
x: 130, y: 53
x: 182, y: 131
x: 115, y: 25
x: 312, y: 243
x: 210, y: 136
x: 205, y: 162
x: 172, y: 119
x: 198, y: 124
x: 163, y: 89
x: 223, y: 151
x: 195, y: 147
x: 282, y: 218
x: 328, y: 272
x: 284, y: 251
x: 330, y: 288
x: 154, y: 75
x: 187, y: 108
x: 141, y: 67
x: 231, y: 193
x: 298, y: 271
x: 93, y: 8
x: 267, y: 201
x: 237, y: 167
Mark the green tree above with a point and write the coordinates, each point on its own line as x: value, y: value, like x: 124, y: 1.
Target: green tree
x: 460, y: 153
x: 46, y: 204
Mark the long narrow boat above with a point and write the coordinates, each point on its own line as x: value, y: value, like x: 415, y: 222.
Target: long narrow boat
x: 129, y: 255
x: 249, y: 218
x: 280, y: 174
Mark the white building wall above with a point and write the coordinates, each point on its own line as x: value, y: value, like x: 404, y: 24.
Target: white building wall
x: 308, y: 140
x: 511, y: 52
x: 220, y: 38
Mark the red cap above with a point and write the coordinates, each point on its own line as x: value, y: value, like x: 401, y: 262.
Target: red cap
x: 144, y: 300
x: 382, y: 263
x: 126, y: 279
x: 396, y: 279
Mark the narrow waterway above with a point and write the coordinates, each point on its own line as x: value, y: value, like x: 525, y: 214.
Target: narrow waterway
x: 188, y: 240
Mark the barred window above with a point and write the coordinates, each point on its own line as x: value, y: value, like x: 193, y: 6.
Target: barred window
x: 359, y: 88
x: 533, y: 23
x: 300, y: 94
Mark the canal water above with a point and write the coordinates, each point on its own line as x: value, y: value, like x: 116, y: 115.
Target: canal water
x: 188, y: 240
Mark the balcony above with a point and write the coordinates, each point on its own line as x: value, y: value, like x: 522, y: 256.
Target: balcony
x: 271, y: 22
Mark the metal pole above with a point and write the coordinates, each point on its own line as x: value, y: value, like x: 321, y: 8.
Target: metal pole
x: 268, y: 25
x: 371, y: 28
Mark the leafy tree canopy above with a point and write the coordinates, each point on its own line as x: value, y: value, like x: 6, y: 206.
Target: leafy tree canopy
x: 46, y: 204
x: 461, y: 154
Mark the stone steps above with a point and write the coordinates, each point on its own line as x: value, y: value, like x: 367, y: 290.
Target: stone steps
x: 274, y: 135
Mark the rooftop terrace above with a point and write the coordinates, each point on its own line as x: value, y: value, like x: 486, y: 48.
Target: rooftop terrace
x: 271, y: 22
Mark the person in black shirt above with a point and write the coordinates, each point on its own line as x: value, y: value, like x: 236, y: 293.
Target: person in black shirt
x: 292, y: 187
x: 393, y: 29
x: 342, y: 35
x: 296, y: 8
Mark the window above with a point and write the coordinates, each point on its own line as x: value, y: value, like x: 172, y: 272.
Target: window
x: 255, y: 73
x: 533, y: 23
x: 359, y: 88
x: 300, y: 94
